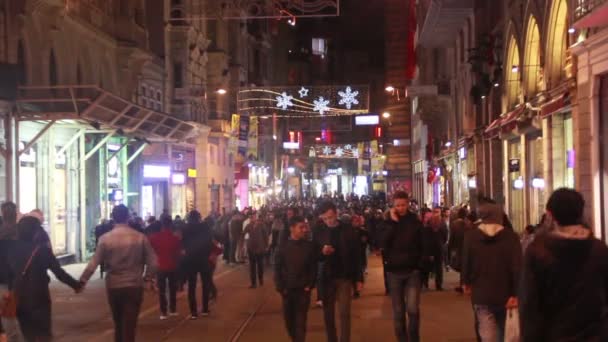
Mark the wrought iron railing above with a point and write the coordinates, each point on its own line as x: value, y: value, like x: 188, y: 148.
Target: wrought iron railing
x: 584, y: 7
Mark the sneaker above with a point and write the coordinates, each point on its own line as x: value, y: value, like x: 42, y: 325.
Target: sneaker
x: 173, y: 314
x: 205, y: 313
x: 193, y: 317
x: 163, y: 317
x: 253, y: 286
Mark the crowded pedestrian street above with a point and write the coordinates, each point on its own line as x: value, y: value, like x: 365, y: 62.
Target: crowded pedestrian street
x: 243, y: 314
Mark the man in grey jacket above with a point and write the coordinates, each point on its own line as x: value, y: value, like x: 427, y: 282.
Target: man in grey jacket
x: 126, y: 254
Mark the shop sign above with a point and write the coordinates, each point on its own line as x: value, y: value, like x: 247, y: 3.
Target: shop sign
x: 365, y: 120
x: 157, y: 171
x: 462, y: 153
x: 192, y: 173
x: 178, y: 178
x: 513, y: 165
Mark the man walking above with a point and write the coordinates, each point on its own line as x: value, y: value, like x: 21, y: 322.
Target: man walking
x: 404, y: 250
x: 168, y: 248
x: 197, y: 245
x: 126, y: 253
x: 257, y: 246
x: 490, y: 271
x: 564, y: 287
x: 295, y: 276
x: 341, y: 251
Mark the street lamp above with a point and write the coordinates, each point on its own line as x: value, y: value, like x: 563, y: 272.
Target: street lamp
x: 390, y: 88
x: 386, y: 115
x: 221, y: 91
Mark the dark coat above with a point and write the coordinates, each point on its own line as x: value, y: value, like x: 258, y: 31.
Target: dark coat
x: 259, y: 234
x: 491, y: 265
x: 564, y: 290
x: 403, y: 244
x: 348, y: 252
x: 32, y: 289
x: 296, y: 265
x: 197, y: 241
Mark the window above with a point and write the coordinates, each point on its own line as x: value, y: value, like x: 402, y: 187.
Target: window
x: 22, y: 65
x: 178, y: 81
x: 319, y: 46
x: 52, y: 69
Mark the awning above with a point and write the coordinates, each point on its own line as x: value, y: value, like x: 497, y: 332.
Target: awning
x: 100, y: 107
x: 560, y: 104
x: 592, y: 17
x: 509, y: 120
x: 493, y: 128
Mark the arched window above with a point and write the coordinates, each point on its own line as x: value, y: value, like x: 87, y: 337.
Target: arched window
x: 21, y: 64
x: 531, y: 67
x: 512, y: 79
x: 52, y: 69
x: 557, y: 43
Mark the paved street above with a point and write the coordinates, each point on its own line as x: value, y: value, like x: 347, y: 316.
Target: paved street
x: 242, y: 314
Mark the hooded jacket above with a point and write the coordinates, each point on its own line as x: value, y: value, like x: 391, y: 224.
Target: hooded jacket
x: 564, y: 288
x: 491, y: 264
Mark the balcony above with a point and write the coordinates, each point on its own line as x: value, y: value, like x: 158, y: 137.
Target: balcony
x: 590, y: 13
x: 443, y: 21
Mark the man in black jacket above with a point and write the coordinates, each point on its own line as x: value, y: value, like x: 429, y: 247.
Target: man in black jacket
x: 197, y: 242
x: 403, y: 249
x: 295, y: 276
x: 490, y: 270
x: 564, y: 287
x: 341, y: 251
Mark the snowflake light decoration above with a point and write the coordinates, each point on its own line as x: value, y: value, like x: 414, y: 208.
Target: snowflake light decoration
x: 348, y: 147
x: 303, y: 92
x: 284, y: 101
x: 326, y: 150
x: 349, y: 97
x: 321, y: 105
x: 339, y: 152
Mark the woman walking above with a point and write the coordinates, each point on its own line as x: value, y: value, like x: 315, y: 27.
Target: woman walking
x: 29, y: 263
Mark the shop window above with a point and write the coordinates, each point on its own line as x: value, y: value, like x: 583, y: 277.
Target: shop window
x: 516, y: 185
x: 319, y: 46
x: 178, y: 80
x: 536, y: 182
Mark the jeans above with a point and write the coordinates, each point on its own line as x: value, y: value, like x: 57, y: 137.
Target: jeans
x: 405, y: 296
x: 256, y: 267
x: 164, y: 278
x: 10, y: 325
x: 125, y: 304
x: 295, y: 312
x: 205, y: 275
x: 490, y: 321
x: 340, y: 290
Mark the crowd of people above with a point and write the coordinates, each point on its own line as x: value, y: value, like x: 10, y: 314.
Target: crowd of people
x: 547, y: 274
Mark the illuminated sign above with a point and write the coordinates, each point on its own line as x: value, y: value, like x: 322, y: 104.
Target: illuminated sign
x: 178, y: 178
x: 364, y: 120
x: 291, y: 145
x: 157, y: 171
x: 192, y: 173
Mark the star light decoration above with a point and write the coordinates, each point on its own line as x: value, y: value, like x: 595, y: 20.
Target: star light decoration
x: 303, y: 92
x: 339, y: 152
x: 326, y: 150
x: 349, y: 97
x: 284, y: 101
x: 321, y: 105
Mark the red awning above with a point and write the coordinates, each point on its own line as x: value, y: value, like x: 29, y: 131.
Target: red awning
x: 509, y: 120
x: 597, y: 18
x: 555, y: 106
x: 492, y: 130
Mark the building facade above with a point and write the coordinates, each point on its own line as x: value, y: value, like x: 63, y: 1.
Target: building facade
x: 527, y: 103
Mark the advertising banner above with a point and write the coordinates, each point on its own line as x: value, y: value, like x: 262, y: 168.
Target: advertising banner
x: 252, y: 144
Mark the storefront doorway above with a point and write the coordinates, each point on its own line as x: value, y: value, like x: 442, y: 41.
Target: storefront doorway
x: 603, y: 118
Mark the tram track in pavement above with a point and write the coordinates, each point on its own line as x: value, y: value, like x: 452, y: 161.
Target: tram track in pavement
x: 151, y: 309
